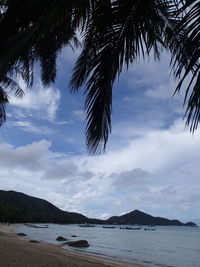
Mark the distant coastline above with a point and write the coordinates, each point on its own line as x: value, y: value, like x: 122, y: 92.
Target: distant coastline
x: 20, y: 208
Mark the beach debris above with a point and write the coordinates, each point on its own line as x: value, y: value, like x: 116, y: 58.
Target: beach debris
x: 61, y: 238
x: 34, y: 241
x: 21, y: 234
x: 79, y: 243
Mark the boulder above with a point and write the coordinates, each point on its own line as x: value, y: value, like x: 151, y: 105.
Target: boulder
x: 21, y: 234
x: 79, y: 243
x: 61, y: 238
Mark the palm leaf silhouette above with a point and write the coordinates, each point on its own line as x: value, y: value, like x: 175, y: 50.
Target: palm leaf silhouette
x: 186, y: 60
x: 115, y: 34
x: 118, y: 33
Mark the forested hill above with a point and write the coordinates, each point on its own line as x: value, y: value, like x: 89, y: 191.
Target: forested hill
x: 139, y: 217
x: 18, y: 207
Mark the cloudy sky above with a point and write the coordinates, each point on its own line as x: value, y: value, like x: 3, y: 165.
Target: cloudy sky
x: 151, y: 162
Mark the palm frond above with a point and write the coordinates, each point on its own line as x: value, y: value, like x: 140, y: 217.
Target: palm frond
x: 98, y: 102
x: 193, y: 108
x: 3, y: 102
x: 35, y: 31
x: 186, y: 63
x: 26, y: 34
x: 9, y: 84
x: 118, y: 33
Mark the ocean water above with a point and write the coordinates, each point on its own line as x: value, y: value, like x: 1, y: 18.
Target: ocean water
x: 167, y: 246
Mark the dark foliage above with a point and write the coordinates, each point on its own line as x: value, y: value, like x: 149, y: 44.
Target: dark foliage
x: 18, y: 207
x: 186, y: 59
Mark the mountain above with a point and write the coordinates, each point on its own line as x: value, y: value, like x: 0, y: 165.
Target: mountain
x: 139, y: 217
x: 19, y: 207
x: 196, y: 221
x: 192, y: 224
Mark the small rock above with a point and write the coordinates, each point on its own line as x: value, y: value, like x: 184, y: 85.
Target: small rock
x: 61, y: 238
x: 73, y: 235
x: 34, y: 241
x: 21, y: 234
x: 79, y: 243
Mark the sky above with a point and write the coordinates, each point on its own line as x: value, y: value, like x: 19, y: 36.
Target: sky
x: 151, y: 162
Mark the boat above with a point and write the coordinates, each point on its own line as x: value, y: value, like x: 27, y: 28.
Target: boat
x: 29, y: 225
x: 41, y: 226
x: 109, y: 227
x: 86, y: 225
x: 149, y: 229
x: 130, y: 228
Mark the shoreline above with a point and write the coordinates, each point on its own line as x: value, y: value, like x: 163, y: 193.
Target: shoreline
x: 9, y: 228
x: 18, y: 251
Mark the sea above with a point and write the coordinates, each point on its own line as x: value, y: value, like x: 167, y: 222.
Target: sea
x: 177, y: 246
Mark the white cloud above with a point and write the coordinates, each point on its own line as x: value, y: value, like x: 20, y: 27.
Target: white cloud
x: 63, y: 122
x: 30, y: 157
x: 128, y: 180
x: 162, y: 91
x: 78, y: 114
x: 30, y: 127
x: 149, y: 73
x: 42, y: 100
x: 61, y: 170
x: 151, y: 84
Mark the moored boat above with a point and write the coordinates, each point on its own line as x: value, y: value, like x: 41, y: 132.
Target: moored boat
x: 130, y: 228
x: 86, y: 225
x: 36, y: 226
x: 41, y: 226
x: 109, y: 227
x: 149, y: 229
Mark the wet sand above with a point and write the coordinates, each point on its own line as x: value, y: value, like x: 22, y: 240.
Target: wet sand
x: 16, y: 251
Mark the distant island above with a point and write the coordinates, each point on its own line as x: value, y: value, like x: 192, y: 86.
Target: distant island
x: 16, y: 207
x: 139, y: 217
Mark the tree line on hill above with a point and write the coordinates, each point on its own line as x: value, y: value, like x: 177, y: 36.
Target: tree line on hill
x: 16, y: 207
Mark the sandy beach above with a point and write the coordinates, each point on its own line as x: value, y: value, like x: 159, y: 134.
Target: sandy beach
x: 20, y: 252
